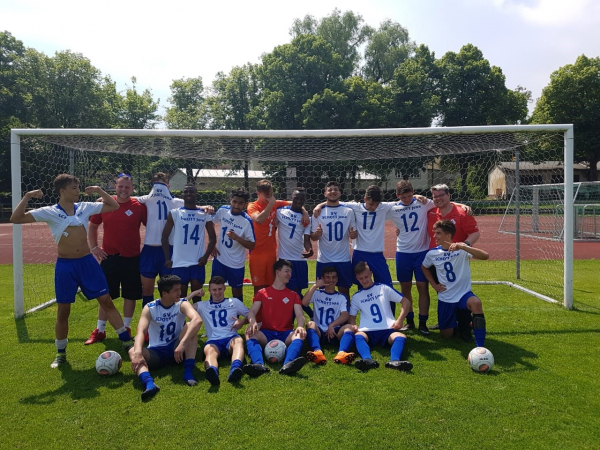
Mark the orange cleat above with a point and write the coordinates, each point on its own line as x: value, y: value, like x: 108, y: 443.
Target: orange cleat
x: 317, y: 357
x: 344, y: 358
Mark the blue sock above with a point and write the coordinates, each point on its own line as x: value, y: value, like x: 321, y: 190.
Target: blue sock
x: 236, y: 364
x: 346, y: 342
x: 397, y: 348
x: 255, y: 351
x: 423, y: 318
x: 363, y: 348
x: 147, y: 380
x: 188, y: 367
x: 146, y: 299
x: 313, y: 339
x: 124, y: 335
x: 293, y: 350
x: 479, y: 337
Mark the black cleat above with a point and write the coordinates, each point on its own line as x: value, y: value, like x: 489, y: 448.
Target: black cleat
x: 404, y: 366
x: 212, y: 376
x: 366, y: 364
x: 466, y: 335
x: 423, y: 329
x: 293, y: 366
x: 255, y: 370
x: 236, y: 375
x: 149, y: 393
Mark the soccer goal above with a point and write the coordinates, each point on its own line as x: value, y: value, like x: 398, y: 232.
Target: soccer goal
x: 479, y: 164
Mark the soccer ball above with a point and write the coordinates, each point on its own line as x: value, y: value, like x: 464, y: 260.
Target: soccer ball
x: 481, y: 359
x: 108, y: 363
x: 275, y: 351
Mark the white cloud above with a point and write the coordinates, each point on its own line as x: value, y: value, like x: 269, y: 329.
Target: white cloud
x: 552, y: 12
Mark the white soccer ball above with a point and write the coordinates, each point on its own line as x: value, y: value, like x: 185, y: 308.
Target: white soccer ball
x: 481, y: 359
x: 275, y: 351
x: 108, y: 363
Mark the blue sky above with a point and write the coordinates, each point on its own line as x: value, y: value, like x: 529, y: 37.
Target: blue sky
x: 158, y: 41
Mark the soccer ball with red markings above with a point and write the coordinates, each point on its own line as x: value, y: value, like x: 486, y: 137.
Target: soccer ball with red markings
x: 275, y: 351
x: 481, y: 359
x: 108, y: 363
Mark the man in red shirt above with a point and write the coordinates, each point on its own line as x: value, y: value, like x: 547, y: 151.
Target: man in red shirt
x: 276, y: 307
x: 119, y: 254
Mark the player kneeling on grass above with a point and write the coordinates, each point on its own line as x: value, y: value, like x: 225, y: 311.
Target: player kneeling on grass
x: 171, y: 340
x: 331, y: 315
x: 377, y: 324
x: 451, y: 261
x: 221, y: 320
x: 277, y: 305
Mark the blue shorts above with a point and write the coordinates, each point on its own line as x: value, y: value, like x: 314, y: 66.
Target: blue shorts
x: 379, y: 337
x: 189, y: 273
x: 235, y: 277
x: 325, y: 340
x: 377, y: 264
x: 152, y: 261
x: 272, y: 335
x: 447, y: 311
x: 299, y: 278
x: 84, y: 272
x: 409, y: 263
x: 344, y: 271
x: 222, y: 345
x: 163, y: 355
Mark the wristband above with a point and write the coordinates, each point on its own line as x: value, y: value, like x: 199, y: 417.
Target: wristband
x: 467, y: 243
x: 94, y: 248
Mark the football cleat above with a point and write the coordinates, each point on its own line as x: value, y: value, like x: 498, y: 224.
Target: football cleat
x: 293, y: 366
x: 213, y: 376
x: 96, y: 336
x: 423, y: 329
x: 408, y: 326
x: 317, y: 357
x: 255, y: 370
x: 366, y: 364
x: 149, y: 393
x: 59, y: 360
x: 404, y: 366
x: 235, y: 375
x: 344, y: 358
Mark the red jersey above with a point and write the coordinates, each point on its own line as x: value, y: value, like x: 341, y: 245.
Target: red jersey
x: 277, y: 308
x: 122, y: 228
x: 465, y: 224
x: 265, y: 232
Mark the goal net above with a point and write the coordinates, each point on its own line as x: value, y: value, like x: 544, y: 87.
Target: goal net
x: 479, y: 164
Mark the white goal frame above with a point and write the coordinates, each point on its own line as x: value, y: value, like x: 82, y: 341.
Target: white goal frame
x: 568, y: 151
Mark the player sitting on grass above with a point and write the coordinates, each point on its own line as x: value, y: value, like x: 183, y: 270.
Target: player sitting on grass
x: 331, y: 315
x: 171, y: 340
x: 75, y: 265
x: 451, y: 261
x: 221, y: 320
x: 377, y: 324
x: 277, y: 305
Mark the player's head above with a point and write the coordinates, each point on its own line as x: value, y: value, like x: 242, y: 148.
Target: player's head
x: 124, y: 186
x: 373, y: 197
x: 264, y: 189
x: 298, y: 199
x: 283, y: 270
x: 68, y: 185
x: 160, y: 177
x: 216, y: 288
x: 363, y: 273
x: 441, y: 195
x: 332, y: 191
x: 189, y: 193
x: 329, y: 275
x: 238, y: 200
x: 443, y: 231
x: 169, y: 287
x: 405, y: 192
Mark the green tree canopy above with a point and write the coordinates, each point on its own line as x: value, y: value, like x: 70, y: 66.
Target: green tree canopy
x: 189, y: 109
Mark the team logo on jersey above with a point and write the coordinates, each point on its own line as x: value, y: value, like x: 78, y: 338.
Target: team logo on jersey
x: 286, y: 300
x: 128, y: 212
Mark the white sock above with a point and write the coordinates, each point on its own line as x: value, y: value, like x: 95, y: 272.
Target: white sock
x: 101, y: 326
x: 127, y: 321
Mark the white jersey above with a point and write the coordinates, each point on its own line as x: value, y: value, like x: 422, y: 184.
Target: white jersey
x: 232, y: 253
x: 411, y: 220
x: 370, y: 226
x: 158, y: 204
x: 166, y: 323
x: 374, y: 306
x: 188, y: 236
x: 290, y: 233
x: 219, y: 317
x: 334, y: 245
x: 453, y: 271
x: 58, y: 220
x: 328, y: 307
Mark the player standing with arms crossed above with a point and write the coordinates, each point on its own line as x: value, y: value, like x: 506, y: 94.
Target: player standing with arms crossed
x: 189, y: 256
x: 119, y: 255
x: 75, y: 265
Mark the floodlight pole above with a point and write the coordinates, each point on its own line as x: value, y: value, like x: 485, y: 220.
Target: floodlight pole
x: 569, y: 219
x: 15, y: 170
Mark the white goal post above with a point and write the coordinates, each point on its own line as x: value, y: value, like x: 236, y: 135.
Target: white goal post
x: 468, y: 159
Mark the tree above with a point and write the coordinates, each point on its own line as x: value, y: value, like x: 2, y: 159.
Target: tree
x: 138, y: 110
x: 573, y: 96
x: 189, y: 109
x: 386, y: 49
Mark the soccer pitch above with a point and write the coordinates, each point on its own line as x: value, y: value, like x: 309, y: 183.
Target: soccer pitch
x: 542, y: 392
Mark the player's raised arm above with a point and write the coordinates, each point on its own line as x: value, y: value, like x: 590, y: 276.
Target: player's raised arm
x: 477, y: 253
x: 19, y: 215
x: 308, y: 296
x: 261, y: 217
x: 110, y: 204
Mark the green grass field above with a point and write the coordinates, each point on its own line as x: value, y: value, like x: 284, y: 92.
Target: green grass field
x: 543, y: 391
